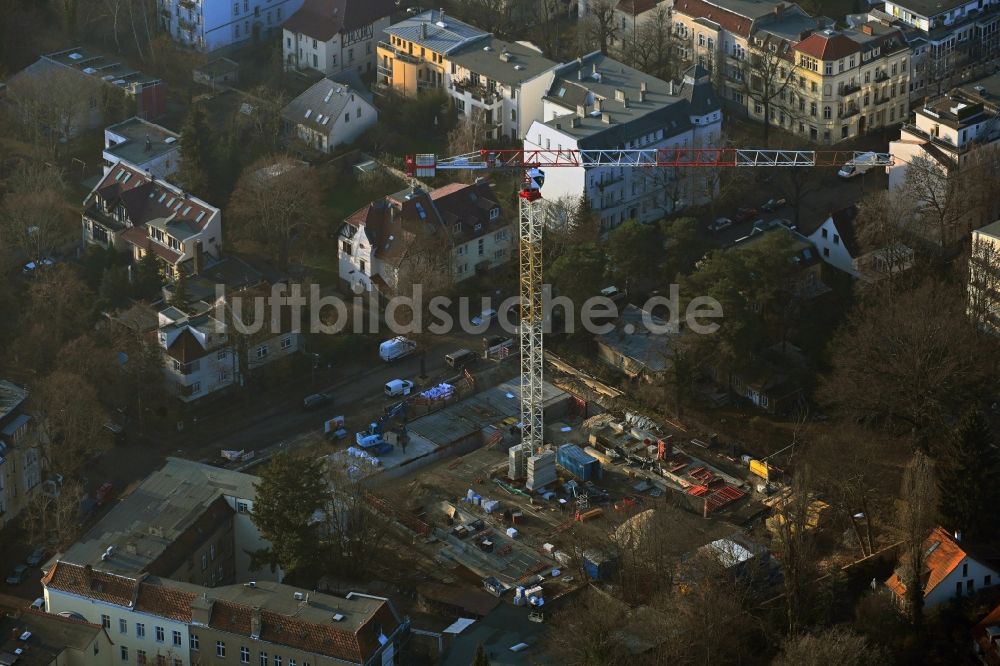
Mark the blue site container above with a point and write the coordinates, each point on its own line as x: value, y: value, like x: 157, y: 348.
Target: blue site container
x: 578, y: 462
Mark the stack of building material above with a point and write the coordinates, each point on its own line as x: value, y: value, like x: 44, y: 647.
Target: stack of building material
x: 517, y: 463
x: 443, y: 391
x: 541, y: 470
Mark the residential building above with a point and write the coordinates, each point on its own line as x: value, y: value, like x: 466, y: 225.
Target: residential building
x: 499, y: 86
x: 145, y: 95
x: 415, y: 56
x: 200, y: 357
x: 186, y: 521
x: 20, y: 458
x: 30, y: 637
x: 950, y: 571
x: 986, y: 638
x: 331, y: 113
x: 207, y: 25
x: 269, y: 621
x: 333, y: 36
x: 415, y: 236
x: 948, y: 39
x: 596, y: 102
x: 142, y: 145
x: 946, y: 130
x: 836, y: 240
x: 984, y: 277
x: 639, y: 345
x: 133, y: 211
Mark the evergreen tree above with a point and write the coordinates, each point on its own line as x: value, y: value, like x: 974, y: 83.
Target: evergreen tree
x: 585, y: 225
x: 196, y: 152
x: 967, y: 473
x: 114, y: 286
x: 181, y: 297
x: 480, y: 659
x: 146, y: 278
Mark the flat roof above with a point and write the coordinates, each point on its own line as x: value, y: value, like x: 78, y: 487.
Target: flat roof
x: 50, y: 636
x: 141, y: 140
x: 155, y: 514
x: 521, y: 63
x: 108, y: 68
x: 992, y: 230
x: 928, y: 8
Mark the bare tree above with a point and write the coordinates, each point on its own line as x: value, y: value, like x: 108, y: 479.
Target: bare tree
x: 983, y: 286
x: 33, y: 214
x: 836, y: 645
x: 276, y: 201
x: 70, y: 422
x: 794, y: 541
x: 767, y: 75
x: 468, y: 136
x: 52, y: 515
x: 598, y: 26
x: 54, y: 107
x: 884, y: 222
x: 653, y: 47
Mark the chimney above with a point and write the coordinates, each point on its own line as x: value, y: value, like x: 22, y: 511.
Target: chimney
x: 423, y: 31
x: 149, y: 144
x: 88, y: 575
x: 579, y: 75
x: 958, y: 536
x: 867, y: 29
x: 255, y: 623
x: 581, y: 110
x: 625, y: 102
x: 441, y: 14
x: 606, y: 118
x: 642, y: 86
x: 778, y: 8
x: 576, y: 121
x: 642, y: 94
x: 199, y: 258
x: 594, y: 70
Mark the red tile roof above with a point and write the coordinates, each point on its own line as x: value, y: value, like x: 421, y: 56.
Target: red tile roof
x: 88, y: 582
x: 322, y: 19
x: 827, y: 47
x: 165, y: 602
x: 943, y: 555
x: 146, y: 198
x: 729, y: 20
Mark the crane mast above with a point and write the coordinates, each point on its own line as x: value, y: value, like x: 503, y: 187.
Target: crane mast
x: 531, y: 222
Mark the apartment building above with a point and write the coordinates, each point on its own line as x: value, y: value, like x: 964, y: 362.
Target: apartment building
x: 500, y: 85
x: 984, y: 277
x: 949, y: 133
x: 142, y: 145
x: 597, y: 102
x: 207, y: 25
x: 948, y: 39
x: 134, y: 211
x: 333, y: 36
x: 20, y: 459
x: 414, y: 58
x: 416, y: 236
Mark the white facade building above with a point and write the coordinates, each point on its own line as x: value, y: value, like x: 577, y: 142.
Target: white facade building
x: 331, y: 113
x: 836, y: 241
x: 207, y: 25
x: 333, y: 36
x: 595, y: 102
x: 143, y: 145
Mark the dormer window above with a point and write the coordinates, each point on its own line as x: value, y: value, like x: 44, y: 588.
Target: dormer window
x: 494, y: 213
x: 478, y: 227
x: 457, y: 227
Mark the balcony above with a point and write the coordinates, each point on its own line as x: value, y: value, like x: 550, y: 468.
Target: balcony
x: 187, y: 24
x: 880, y: 75
x: 480, y: 94
x: 849, y: 88
x: 850, y: 111
x: 399, y: 55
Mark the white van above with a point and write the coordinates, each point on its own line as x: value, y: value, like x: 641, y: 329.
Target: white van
x: 858, y: 165
x: 396, y: 348
x: 397, y: 387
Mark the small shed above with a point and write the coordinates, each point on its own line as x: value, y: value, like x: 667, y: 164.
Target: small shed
x: 218, y: 73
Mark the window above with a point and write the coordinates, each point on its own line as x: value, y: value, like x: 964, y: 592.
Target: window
x: 494, y: 213
x: 159, y: 634
x: 277, y: 660
x: 242, y: 506
x: 987, y: 580
x: 357, y: 114
x: 826, y: 252
x: 347, y: 117
x: 236, y: 8
x: 828, y: 68
x: 122, y: 626
x: 958, y: 589
x: 140, y: 657
x: 204, y: 561
x: 262, y: 354
x: 221, y: 355
x: 244, y: 654
x: 124, y: 653
x: 826, y: 112
x: 220, y: 649
x: 291, y: 662
x: 177, y: 638
x: 315, y: 60
x: 965, y: 570
x: 106, y: 621
x: 812, y: 109
x: 970, y: 586
x: 194, y: 642
x: 285, y: 344
x: 236, y: 31
x: 211, y: 552
x: 263, y: 659
x: 480, y: 247
x: 836, y: 239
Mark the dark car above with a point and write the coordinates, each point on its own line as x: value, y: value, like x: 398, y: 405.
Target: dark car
x: 317, y: 400
x: 744, y: 215
x: 18, y: 575
x: 36, y: 557
x: 772, y: 205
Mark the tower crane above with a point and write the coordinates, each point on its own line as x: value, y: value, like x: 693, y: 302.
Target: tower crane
x: 530, y: 221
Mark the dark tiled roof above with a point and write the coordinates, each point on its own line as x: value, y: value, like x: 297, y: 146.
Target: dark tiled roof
x: 148, y: 199
x: 323, y: 19
x: 91, y: 583
x: 467, y: 205
x: 138, y: 237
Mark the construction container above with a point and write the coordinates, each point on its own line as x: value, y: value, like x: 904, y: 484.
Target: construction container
x: 598, y: 565
x: 512, y: 532
x: 578, y: 463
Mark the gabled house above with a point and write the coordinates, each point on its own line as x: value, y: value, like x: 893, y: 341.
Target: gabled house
x: 836, y: 240
x: 331, y: 113
x: 432, y: 238
x: 133, y: 211
x: 950, y: 571
x: 334, y: 36
x: 20, y: 458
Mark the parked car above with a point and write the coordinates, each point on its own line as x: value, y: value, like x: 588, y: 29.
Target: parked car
x: 744, y: 215
x: 19, y: 574
x: 720, y: 224
x: 485, y: 317
x: 773, y: 204
x: 38, y: 604
x: 396, y: 387
x: 396, y: 348
x: 32, y: 266
x: 317, y: 400
x: 36, y: 557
